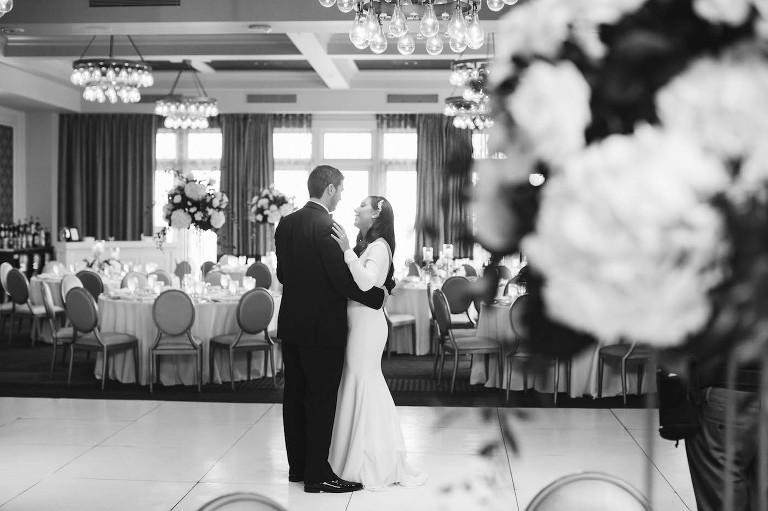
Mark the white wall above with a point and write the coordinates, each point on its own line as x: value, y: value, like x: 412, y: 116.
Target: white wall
x: 17, y: 120
x: 42, y: 168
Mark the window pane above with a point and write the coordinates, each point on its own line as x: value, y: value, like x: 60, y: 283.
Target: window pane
x: 204, y: 146
x: 165, y: 146
x: 347, y: 146
x: 293, y: 183
x: 355, y: 190
x: 292, y: 146
x: 163, y: 185
x: 401, y: 193
x: 210, y: 178
x: 399, y: 146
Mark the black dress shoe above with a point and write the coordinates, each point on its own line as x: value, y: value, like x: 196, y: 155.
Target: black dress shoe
x: 295, y: 479
x: 332, y: 486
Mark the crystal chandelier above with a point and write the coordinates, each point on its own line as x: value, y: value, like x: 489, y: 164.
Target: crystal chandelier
x: 461, y: 23
x: 109, y: 79
x: 472, y: 109
x: 5, y: 7
x: 187, y: 112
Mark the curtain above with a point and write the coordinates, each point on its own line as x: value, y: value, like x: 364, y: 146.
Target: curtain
x: 300, y: 122
x: 457, y: 184
x: 247, y: 167
x: 390, y: 122
x: 6, y: 174
x: 106, y: 174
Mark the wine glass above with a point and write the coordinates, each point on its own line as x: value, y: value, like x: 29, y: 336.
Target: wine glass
x: 233, y: 286
x: 151, y: 280
x: 132, y: 283
x: 225, y: 280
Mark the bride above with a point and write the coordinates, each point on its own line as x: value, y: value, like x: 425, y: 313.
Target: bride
x: 367, y: 443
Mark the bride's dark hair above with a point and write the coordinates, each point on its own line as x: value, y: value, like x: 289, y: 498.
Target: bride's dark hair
x: 383, y: 227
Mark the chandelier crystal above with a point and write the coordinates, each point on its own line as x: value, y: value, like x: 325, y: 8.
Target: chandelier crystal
x: 187, y: 112
x: 5, y: 7
x: 109, y: 79
x: 471, y: 110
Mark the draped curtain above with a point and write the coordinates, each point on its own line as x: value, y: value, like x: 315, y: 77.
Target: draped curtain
x: 457, y: 185
x: 106, y: 174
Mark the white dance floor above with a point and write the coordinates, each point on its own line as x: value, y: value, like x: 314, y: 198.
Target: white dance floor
x: 68, y: 454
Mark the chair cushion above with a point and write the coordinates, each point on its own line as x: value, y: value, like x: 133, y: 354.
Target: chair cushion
x: 476, y: 343
x: 246, y: 341
x: 64, y: 335
x: 108, y: 338
x: 6, y: 307
x: 401, y: 319
x: 177, y: 342
x: 37, y: 310
x: 619, y: 350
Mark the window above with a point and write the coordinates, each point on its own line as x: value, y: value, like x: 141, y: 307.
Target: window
x: 347, y: 146
x: 292, y: 152
x: 399, y: 167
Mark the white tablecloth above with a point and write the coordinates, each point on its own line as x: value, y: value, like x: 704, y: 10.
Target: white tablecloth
x: 54, y: 283
x: 411, y: 299
x: 211, y: 319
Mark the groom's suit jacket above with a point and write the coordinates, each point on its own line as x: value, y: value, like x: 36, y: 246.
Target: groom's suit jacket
x: 316, y: 281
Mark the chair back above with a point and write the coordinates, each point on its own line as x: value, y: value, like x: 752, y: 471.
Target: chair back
x: 206, y: 267
x: 228, y: 260
x: 261, y: 273
x: 430, y: 299
x: 183, y: 268
x: 173, y: 312
x: 67, y: 283
x: 141, y: 280
x: 442, y: 312
x: 92, y: 282
x: 242, y: 501
x: 81, y: 310
x: 18, y: 286
x: 457, y: 291
x: 45, y: 292
x: 4, y: 269
x: 469, y: 270
x: 516, y: 313
x: 255, y: 310
x: 214, y: 278
x: 162, y: 276
x: 504, y: 272
x: 589, y: 491
x: 414, y: 270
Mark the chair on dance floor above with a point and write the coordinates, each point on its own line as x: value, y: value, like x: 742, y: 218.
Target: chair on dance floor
x: 459, y: 345
x: 84, y: 316
x: 183, y: 268
x: 18, y: 288
x: 261, y: 273
x: 457, y: 291
x: 141, y: 280
x: 92, y: 282
x: 589, y: 491
x: 162, y: 276
x: 207, y: 267
x: 242, y: 501
x: 254, y: 312
x: 399, y: 320
x: 625, y: 354
x: 522, y: 350
x: 174, y: 315
x: 59, y: 336
x: 214, y: 278
x: 469, y: 270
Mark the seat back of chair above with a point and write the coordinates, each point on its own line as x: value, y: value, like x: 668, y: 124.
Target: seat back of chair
x: 183, y: 268
x: 242, y: 501
x: 414, y: 270
x: 206, y: 267
x: 45, y: 292
x: 92, y: 282
x: 162, y: 276
x: 430, y: 299
x: 255, y: 310
x: 457, y: 292
x: 442, y: 312
x: 469, y: 270
x: 589, y: 491
x: 214, y: 278
x: 173, y: 312
x: 261, y: 273
x: 17, y: 286
x: 504, y: 272
x: 516, y: 313
x: 141, y: 280
x: 4, y: 269
x: 81, y: 310
x: 228, y: 260
x: 67, y: 283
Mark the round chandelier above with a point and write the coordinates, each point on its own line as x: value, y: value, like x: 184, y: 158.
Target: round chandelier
x: 5, y: 7
x: 187, y: 112
x: 471, y: 110
x: 109, y: 79
x: 461, y: 23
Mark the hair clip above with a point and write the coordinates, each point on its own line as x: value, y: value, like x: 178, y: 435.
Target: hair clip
x: 381, y: 203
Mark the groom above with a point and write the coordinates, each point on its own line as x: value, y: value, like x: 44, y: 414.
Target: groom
x: 312, y: 324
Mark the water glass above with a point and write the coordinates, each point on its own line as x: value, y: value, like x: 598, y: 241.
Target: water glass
x: 158, y: 287
x: 199, y: 287
x: 233, y: 286
x: 133, y: 283
x: 249, y: 283
x: 225, y: 280
x: 151, y: 281
x: 242, y: 260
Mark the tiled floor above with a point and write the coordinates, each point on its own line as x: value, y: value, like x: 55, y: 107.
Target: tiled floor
x: 141, y: 455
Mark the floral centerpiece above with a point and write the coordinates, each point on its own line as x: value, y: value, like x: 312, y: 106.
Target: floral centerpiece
x: 270, y: 206
x: 647, y: 117
x: 192, y: 203
x: 99, y: 263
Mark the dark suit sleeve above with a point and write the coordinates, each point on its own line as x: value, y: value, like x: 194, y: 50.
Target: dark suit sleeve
x: 341, y: 279
x: 278, y: 269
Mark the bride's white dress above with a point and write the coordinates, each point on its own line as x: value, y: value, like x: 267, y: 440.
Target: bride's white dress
x: 368, y: 444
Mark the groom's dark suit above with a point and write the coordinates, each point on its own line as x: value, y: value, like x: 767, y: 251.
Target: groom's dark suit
x: 312, y: 325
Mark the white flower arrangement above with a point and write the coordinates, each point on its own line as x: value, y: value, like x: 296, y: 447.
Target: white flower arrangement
x: 270, y: 206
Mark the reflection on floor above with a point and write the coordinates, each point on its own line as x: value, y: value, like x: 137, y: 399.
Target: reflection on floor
x: 148, y: 455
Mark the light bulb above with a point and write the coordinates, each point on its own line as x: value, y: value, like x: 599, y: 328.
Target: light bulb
x: 358, y: 34
x: 5, y: 6
x: 475, y: 33
x: 510, y: 2
x: 495, y: 5
x: 435, y: 45
x: 457, y: 27
x: 474, y: 45
x: 327, y: 3
x: 362, y: 45
x: 406, y: 45
x: 345, y: 5
x: 536, y: 179
x: 379, y: 43
x: 429, y: 25
x: 458, y: 46
x: 398, y: 26
x: 372, y: 24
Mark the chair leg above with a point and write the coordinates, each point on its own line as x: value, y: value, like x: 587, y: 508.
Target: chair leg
x: 640, y: 373
x: 568, y: 376
x: 199, y: 369
x: 211, y: 358
x: 624, y: 381
x: 501, y: 367
x: 472, y: 363
x: 151, y: 372
x: 232, y: 368
x: 557, y: 379
x: 600, y: 364
x: 53, y: 358
x: 71, y: 360
x: 525, y: 378
x: 136, y: 364
x: 105, y: 356
x: 442, y: 366
x: 413, y: 338
x: 272, y: 361
x: 266, y: 366
x: 437, y: 358
x: 455, y: 369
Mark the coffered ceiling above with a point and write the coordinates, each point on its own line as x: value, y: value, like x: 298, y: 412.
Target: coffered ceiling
x: 257, y: 49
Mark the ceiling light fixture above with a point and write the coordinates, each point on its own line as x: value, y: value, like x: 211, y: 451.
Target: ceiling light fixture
x: 187, y: 112
x: 110, y: 79
x: 463, y: 27
x: 471, y: 110
x: 5, y: 7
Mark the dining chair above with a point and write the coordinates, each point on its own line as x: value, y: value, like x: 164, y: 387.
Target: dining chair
x: 399, y: 320
x: 183, y: 268
x: 261, y: 273
x: 83, y: 313
x: 214, y: 278
x: 434, y: 338
x: 174, y: 315
x: 254, y: 313
x: 458, y: 292
x: 522, y: 349
x: 18, y: 287
x: 162, y: 276
x: 414, y: 270
x: 459, y: 345
x: 7, y: 305
x: 206, y: 267
x: 92, y: 282
x: 67, y: 283
x: 589, y: 491
x: 240, y: 501
x: 469, y: 270
x: 141, y: 280
x: 59, y: 336
x: 625, y: 354
x: 503, y: 272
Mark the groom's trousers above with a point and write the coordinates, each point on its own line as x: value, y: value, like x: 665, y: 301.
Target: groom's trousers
x: 312, y: 378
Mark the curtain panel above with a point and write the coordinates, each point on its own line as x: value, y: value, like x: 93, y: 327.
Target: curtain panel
x: 6, y: 174
x: 106, y: 174
x: 300, y: 122
x: 394, y: 122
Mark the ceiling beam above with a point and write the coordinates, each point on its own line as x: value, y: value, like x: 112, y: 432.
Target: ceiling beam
x: 314, y: 50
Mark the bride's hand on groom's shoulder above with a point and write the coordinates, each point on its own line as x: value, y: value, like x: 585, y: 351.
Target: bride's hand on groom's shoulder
x: 340, y: 236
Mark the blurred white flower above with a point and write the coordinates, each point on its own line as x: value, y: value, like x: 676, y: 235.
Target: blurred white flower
x: 274, y: 216
x: 195, y: 191
x: 180, y: 219
x: 533, y: 28
x: 176, y: 199
x: 259, y: 217
x: 286, y: 209
x: 215, y: 202
x: 599, y: 12
x: 217, y: 219
x: 729, y: 12
x: 753, y: 178
x: 167, y: 208
x: 198, y: 216
x: 273, y: 207
x: 627, y: 240
x: 263, y: 203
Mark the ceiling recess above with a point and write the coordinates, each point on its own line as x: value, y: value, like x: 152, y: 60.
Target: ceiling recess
x: 135, y: 3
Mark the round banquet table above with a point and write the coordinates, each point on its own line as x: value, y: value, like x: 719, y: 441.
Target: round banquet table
x: 494, y: 323
x: 410, y: 298
x: 54, y: 283
x: 238, y: 272
x: 134, y: 316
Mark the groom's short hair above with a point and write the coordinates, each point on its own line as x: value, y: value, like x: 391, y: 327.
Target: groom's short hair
x: 322, y: 176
